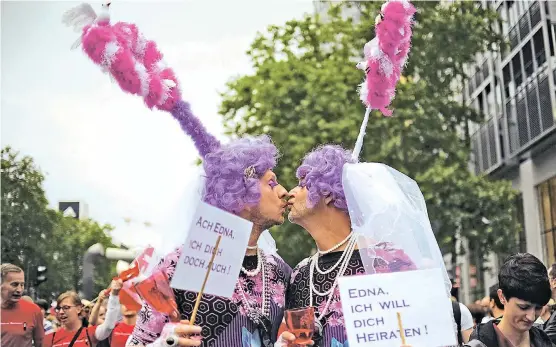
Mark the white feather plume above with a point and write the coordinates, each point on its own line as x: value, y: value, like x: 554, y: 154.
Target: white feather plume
x: 79, y: 17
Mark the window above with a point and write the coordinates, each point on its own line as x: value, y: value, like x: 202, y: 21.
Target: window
x: 550, y: 37
x: 501, y: 137
x: 528, y: 59
x: 498, y: 94
x: 540, y: 53
x: 516, y: 64
x: 489, y: 109
x: 547, y: 204
x: 503, y: 14
x: 512, y: 13
x: 480, y: 105
x: 509, y: 89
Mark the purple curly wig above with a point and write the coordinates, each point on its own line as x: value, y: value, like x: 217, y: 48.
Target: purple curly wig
x: 233, y: 171
x: 227, y: 186
x: 321, y: 173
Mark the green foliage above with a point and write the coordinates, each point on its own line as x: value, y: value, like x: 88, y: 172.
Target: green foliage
x: 33, y: 234
x: 303, y: 93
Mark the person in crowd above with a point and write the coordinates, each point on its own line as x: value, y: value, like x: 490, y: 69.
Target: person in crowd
x: 45, y: 306
x: 549, y: 326
x: 544, y: 317
x: 86, y: 312
x: 495, y: 307
x: 524, y: 288
x: 21, y: 321
x: 454, y: 291
x: 464, y: 321
x: 52, y: 319
x: 98, y: 311
x: 27, y: 298
x: 238, y: 179
x: 68, y: 310
x: 485, y: 304
x: 319, y: 205
x: 123, y: 329
x: 477, y: 313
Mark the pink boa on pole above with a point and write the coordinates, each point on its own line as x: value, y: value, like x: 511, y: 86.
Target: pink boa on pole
x: 385, y: 57
x: 386, y: 54
x: 121, y: 50
x: 136, y: 64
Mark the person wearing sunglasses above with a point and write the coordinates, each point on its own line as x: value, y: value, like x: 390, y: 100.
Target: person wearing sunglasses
x: 72, y: 332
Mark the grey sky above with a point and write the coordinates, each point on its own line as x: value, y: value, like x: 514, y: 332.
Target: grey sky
x: 100, y: 145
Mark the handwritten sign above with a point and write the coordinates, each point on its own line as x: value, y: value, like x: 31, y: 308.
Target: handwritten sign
x: 370, y: 305
x: 208, y: 223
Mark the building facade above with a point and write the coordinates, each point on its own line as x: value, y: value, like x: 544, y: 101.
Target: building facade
x: 514, y: 89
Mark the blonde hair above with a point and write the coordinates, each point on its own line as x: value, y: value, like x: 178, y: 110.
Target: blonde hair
x: 7, y: 268
x: 76, y: 300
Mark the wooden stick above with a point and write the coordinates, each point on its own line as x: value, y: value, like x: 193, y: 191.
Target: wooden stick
x: 200, y: 294
x: 400, y: 325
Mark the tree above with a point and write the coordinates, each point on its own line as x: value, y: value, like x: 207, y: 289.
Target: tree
x: 33, y: 234
x: 27, y: 223
x: 70, y: 240
x: 303, y: 93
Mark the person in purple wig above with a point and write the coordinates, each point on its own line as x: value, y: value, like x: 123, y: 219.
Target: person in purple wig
x: 318, y: 204
x: 238, y: 179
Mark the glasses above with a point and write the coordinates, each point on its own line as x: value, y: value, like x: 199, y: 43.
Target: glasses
x: 63, y: 308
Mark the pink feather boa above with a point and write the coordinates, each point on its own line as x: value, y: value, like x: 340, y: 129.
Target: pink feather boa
x: 134, y: 62
x: 386, y: 54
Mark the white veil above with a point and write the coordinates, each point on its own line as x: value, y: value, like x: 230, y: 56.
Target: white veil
x: 387, y: 206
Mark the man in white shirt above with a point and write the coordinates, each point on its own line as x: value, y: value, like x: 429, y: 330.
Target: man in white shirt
x: 495, y: 307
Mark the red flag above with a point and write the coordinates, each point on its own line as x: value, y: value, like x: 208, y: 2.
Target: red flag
x: 129, y: 298
x: 156, y: 291
x: 126, y: 275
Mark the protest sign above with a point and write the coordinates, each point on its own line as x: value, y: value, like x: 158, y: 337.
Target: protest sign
x: 208, y: 223
x: 371, y: 303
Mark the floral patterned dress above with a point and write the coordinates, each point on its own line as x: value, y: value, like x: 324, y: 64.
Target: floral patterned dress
x: 297, y: 296
x: 224, y: 321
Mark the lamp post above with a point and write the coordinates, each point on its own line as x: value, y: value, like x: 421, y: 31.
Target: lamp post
x: 91, y: 256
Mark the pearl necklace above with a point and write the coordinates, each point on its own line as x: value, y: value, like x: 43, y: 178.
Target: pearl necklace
x: 338, y: 245
x: 257, y: 269
x: 265, y: 305
x: 332, y: 268
x: 344, y: 260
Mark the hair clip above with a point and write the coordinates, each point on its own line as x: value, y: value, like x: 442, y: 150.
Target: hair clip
x: 249, y: 172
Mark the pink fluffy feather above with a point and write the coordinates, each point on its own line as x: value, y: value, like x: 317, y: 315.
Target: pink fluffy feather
x: 134, y: 62
x: 386, y: 54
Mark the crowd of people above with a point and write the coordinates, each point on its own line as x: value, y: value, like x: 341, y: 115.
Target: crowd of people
x: 518, y: 306
x: 518, y: 311
x: 72, y: 321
